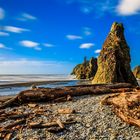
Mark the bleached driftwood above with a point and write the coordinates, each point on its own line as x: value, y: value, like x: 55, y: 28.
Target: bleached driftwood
x: 126, y: 106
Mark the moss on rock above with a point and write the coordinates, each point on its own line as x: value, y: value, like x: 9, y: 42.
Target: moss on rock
x: 114, y: 59
x: 86, y: 70
x: 136, y: 72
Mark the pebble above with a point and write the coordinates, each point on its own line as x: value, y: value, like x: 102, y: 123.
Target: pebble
x: 95, y: 122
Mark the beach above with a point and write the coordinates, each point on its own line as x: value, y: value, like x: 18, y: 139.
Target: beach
x: 93, y: 121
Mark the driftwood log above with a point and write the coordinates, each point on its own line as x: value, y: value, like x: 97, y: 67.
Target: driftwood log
x: 46, y: 125
x: 126, y: 106
x: 52, y: 94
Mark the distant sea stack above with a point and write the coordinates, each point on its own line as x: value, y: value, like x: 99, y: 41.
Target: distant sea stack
x: 136, y: 72
x: 114, y: 59
x: 86, y: 70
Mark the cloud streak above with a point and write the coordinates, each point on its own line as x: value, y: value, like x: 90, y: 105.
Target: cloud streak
x: 26, y: 16
x: 3, y: 46
x: 14, y: 29
x: 2, y: 13
x: 98, y: 8
x: 30, y: 44
x: 86, y: 45
x: 87, y: 31
x: 48, y: 45
x: 73, y: 37
x: 4, y: 34
x: 97, y: 51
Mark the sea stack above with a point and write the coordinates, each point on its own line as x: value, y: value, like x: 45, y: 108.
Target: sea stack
x: 136, y: 72
x: 114, y: 59
x: 86, y: 70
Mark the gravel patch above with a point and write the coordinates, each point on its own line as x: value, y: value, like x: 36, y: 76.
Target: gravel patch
x: 94, y: 122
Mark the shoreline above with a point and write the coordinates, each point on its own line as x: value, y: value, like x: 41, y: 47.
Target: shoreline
x: 30, y: 83
x: 37, y: 83
x: 12, y: 89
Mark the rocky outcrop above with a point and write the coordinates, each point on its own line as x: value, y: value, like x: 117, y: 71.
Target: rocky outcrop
x: 136, y: 72
x: 86, y: 70
x: 114, y: 59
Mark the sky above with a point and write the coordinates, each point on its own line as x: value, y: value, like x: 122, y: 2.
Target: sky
x: 52, y: 36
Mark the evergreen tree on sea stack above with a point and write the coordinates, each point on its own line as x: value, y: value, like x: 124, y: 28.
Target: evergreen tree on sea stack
x: 114, y: 59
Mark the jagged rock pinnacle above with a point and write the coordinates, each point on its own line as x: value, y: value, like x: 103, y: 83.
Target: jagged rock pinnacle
x: 114, y: 59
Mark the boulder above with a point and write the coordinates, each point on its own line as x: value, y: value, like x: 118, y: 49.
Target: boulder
x: 114, y: 59
x: 136, y: 72
x: 86, y: 70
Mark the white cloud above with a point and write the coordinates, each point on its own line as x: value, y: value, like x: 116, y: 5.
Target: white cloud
x: 2, y: 13
x: 4, y: 34
x: 86, y: 45
x: 48, y: 45
x: 97, y: 51
x: 14, y: 29
x: 73, y: 37
x: 128, y: 7
x: 3, y: 46
x: 26, y: 16
x: 30, y: 44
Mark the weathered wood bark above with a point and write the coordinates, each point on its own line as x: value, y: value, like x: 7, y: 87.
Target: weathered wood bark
x: 66, y: 111
x: 18, y: 122
x: 55, y: 129
x: 126, y: 106
x: 49, y: 94
x: 46, y: 125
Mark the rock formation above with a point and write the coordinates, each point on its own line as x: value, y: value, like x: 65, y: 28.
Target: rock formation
x: 136, y: 72
x: 114, y: 59
x: 86, y: 70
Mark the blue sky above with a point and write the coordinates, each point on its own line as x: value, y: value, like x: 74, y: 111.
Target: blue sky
x: 52, y: 36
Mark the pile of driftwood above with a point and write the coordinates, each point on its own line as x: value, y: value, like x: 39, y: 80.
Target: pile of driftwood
x: 20, y: 120
x: 126, y: 105
x: 126, y: 102
x: 64, y: 94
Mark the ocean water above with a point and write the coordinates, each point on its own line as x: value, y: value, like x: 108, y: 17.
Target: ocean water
x: 63, y: 80
x: 8, y: 79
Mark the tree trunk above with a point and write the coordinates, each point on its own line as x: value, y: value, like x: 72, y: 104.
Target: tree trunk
x: 50, y: 94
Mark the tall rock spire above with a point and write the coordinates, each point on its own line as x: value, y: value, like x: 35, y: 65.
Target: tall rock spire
x: 114, y: 59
